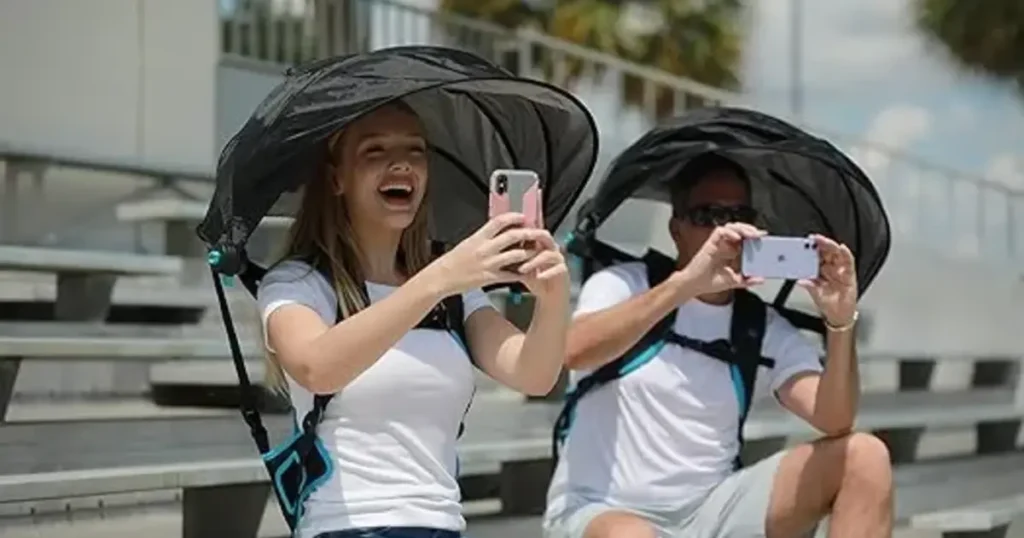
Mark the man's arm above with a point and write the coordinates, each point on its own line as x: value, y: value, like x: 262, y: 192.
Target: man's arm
x: 827, y: 400
x: 599, y: 336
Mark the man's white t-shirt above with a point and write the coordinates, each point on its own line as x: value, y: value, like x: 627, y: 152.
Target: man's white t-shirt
x: 391, y: 432
x: 662, y: 436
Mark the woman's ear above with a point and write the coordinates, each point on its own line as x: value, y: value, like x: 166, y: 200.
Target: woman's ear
x: 335, y: 179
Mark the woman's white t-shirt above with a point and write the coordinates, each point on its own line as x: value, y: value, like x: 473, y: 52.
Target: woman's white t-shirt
x: 392, y: 431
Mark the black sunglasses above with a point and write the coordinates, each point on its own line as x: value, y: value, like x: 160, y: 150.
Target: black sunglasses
x: 717, y: 215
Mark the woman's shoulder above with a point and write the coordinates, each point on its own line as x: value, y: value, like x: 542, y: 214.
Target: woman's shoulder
x: 292, y: 276
x: 289, y: 269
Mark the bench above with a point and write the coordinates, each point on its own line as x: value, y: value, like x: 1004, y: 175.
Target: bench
x: 85, y: 278
x: 502, y: 431
x: 179, y: 219
x: 236, y: 484
x: 15, y: 349
x: 24, y: 297
x: 239, y: 487
x: 987, y: 519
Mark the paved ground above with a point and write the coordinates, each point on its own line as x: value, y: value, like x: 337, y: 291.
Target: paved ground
x: 166, y: 523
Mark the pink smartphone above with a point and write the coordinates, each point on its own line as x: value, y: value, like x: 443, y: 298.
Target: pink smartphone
x: 516, y: 191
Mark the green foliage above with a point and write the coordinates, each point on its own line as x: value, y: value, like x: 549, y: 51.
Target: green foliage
x: 983, y: 36
x: 697, y: 39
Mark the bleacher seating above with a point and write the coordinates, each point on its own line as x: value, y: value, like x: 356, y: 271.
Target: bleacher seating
x: 960, y: 467
x: 120, y: 446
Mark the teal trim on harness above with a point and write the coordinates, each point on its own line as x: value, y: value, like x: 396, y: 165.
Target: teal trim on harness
x: 737, y: 385
x: 304, y: 490
x: 461, y: 342
x: 646, y: 356
x: 633, y: 364
x: 642, y: 358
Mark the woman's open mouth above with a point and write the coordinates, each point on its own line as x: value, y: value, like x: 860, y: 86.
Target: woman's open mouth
x: 396, y: 194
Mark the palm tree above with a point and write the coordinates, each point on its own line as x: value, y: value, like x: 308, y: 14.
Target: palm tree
x: 697, y: 39
x: 985, y: 36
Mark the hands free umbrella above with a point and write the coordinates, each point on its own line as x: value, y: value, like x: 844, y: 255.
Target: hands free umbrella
x: 800, y: 184
x: 477, y: 117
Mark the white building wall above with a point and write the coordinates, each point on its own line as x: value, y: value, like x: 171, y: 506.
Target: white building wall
x: 127, y: 81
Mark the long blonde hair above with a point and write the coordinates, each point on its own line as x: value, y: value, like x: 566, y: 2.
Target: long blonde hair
x: 322, y: 235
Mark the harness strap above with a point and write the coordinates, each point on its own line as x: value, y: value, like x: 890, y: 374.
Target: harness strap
x: 447, y: 316
x: 742, y: 351
x: 247, y: 393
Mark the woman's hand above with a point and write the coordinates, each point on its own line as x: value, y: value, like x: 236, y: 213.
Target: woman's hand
x: 484, y: 257
x: 546, y: 275
x: 834, y: 292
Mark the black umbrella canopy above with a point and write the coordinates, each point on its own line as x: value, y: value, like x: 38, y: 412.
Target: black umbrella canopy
x: 800, y: 184
x: 477, y: 117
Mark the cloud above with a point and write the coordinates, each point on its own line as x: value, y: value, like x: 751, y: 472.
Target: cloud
x: 845, y: 44
x: 893, y: 130
x: 889, y: 134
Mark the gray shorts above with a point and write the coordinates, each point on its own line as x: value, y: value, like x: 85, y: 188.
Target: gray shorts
x: 736, y: 508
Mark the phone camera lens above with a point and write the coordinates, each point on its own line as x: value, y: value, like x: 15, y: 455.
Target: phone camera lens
x: 502, y: 183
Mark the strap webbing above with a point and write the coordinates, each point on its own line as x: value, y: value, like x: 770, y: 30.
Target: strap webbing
x: 248, y: 395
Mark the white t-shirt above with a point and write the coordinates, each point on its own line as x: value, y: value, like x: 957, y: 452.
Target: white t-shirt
x: 660, y: 437
x: 391, y: 432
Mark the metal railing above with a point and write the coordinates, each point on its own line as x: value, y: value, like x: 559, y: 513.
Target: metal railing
x: 954, y: 212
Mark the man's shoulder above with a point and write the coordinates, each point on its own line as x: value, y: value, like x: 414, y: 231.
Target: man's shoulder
x: 631, y: 272
x: 610, y: 286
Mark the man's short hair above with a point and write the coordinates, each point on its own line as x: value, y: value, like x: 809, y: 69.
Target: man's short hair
x: 696, y: 171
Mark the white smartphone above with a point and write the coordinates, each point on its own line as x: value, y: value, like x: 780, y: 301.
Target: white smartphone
x: 778, y: 257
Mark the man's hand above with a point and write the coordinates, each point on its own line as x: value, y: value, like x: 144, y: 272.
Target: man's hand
x: 834, y: 292
x: 715, y: 267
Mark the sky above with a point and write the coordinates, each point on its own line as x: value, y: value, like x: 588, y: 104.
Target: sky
x: 867, y: 71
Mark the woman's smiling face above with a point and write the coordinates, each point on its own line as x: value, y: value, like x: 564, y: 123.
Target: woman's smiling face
x: 382, y: 169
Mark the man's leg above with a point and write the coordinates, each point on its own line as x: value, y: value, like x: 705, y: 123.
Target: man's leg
x: 618, y: 524
x: 597, y: 520
x: 848, y: 478
x: 786, y: 495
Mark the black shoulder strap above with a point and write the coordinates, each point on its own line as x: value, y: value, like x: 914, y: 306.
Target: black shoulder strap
x: 448, y: 316
x: 455, y: 313
x: 746, y: 333
x: 659, y: 268
x: 320, y: 401
x: 247, y: 393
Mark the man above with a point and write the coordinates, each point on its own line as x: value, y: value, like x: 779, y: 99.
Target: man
x: 652, y: 454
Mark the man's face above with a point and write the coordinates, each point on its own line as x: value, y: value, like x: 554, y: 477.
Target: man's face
x: 718, y: 198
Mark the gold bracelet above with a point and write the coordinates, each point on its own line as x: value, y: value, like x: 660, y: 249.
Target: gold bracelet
x: 843, y: 328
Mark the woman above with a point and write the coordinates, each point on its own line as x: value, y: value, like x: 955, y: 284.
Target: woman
x: 401, y: 393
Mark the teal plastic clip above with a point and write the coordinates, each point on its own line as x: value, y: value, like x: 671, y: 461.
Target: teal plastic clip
x: 213, y: 258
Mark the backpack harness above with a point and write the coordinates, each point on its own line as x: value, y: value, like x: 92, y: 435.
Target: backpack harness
x: 295, y: 468
x: 742, y: 351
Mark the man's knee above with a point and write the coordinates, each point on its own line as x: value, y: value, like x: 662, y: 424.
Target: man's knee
x: 866, y: 464
x: 618, y: 524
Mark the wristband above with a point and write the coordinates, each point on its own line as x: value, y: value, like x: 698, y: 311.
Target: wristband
x: 843, y: 328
